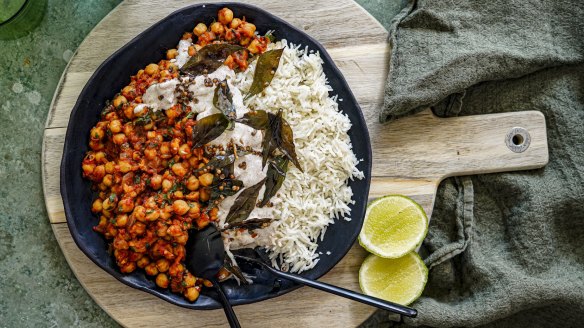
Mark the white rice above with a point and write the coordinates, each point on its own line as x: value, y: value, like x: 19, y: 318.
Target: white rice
x: 312, y: 200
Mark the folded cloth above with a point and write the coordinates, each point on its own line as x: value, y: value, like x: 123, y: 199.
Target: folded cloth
x: 504, y: 250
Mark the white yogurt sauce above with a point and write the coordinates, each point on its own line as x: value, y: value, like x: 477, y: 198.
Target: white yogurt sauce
x: 183, y: 52
x: 161, y: 96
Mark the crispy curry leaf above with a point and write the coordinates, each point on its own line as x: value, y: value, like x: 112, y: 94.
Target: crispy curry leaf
x: 274, y: 178
x: 251, y: 224
x: 279, y: 135
x: 257, y: 119
x: 224, y: 187
x: 209, y: 58
x: 208, y: 128
x: 235, y: 270
x: 266, y: 67
x: 268, y: 144
x: 244, y: 204
x: 223, y: 100
x: 286, y: 143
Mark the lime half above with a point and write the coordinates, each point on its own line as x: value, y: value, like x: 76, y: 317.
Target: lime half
x: 394, y: 225
x: 399, y: 280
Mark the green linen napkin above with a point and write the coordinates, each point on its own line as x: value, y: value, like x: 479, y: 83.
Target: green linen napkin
x: 505, y: 250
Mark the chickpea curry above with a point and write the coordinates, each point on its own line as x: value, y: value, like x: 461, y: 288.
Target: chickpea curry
x: 151, y: 169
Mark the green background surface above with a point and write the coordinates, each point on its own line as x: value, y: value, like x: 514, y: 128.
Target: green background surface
x: 37, y: 288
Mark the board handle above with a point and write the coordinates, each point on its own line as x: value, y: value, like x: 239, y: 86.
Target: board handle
x: 424, y: 146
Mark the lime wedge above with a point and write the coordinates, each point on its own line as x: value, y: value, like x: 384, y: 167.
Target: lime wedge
x: 399, y: 280
x: 394, y: 225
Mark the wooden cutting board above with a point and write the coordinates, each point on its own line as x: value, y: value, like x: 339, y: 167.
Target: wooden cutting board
x: 410, y: 156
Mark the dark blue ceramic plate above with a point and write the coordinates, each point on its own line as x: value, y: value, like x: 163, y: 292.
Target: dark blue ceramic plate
x: 115, y: 72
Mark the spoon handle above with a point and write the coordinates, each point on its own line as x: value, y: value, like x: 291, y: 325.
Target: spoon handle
x: 229, y: 313
x: 374, y: 301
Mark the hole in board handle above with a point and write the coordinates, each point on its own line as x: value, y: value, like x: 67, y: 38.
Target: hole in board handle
x: 518, y: 139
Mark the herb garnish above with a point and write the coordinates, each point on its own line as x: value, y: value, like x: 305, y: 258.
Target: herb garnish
x: 244, y: 204
x: 208, y: 128
x: 209, y: 58
x: 266, y: 67
x: 274, y: 178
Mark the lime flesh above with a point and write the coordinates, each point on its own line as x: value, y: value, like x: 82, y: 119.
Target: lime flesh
x: 400, y: 280
x: 394, y: 225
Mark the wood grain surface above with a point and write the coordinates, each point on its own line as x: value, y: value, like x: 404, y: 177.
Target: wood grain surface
x: 410, y: 156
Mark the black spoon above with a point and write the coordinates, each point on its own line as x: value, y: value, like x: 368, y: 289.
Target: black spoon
x: 258, y: 257
x: 205, y: 256
x: 201, y: 256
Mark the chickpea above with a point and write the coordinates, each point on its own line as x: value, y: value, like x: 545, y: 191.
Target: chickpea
x: 119, y: 138
x: 119, y: 101
x: 162, y: 265
x: 206, y: 179
x: 115, y: 126
x: 162, y: 280
x: 207, y: 283
x: 126, y: 205
x: 248, y: 29
x: 100, y: 157
x: 178, y: 195
x: 182, y: 239
x: 179, y: 169
x: 180, y: 207
x: 156, y: 181
x: 200, y: 29
x: 254, y: 46
x: 108, y: 204
x: 128, y: 90
x: 191, y: 51
x: 194, y: 208
x: 204, y: 195
x: 140, y: 73
x: 143, y: 262
x: 189, y: 280
x: 235, y: 23
x: 165, y: 150
x: 225, y: 16
x: 171, y: 54
x: 139, y: 213
x: 176, y: 269
x: 97, y: 206
x: 164, y: 74
x: 151, y: 269
x: 152, y: 215
x: 128, y: 267
x: 193, y: 196
x: 187, y: 35
x: 214, y: 212
x: 166, y: 185
x: 97, y: 133
x: 150, y: 153
x: 88, y: 168
x: 191, y: 294
x: 184, y: 151
x: 108, y: 179
x: 128, y: 129
x: 174, y: 145
x: 151, y: 69
x: 110, y: 167
x: 193, y: 161
x: 138, y: 228
x: 121, y: 220
x: 125, y: 166
x: 192, y: 183
x: 217, y: 28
